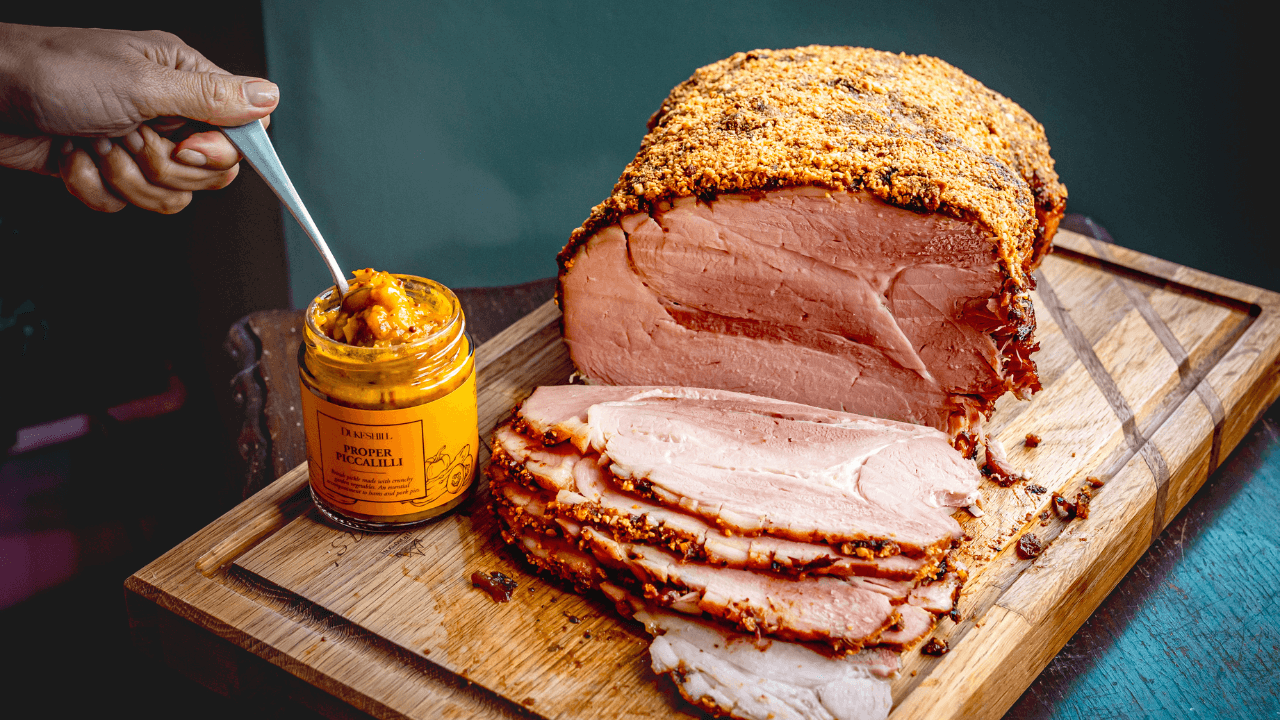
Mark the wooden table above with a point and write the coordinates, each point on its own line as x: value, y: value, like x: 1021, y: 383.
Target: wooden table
x: 1198, y: 605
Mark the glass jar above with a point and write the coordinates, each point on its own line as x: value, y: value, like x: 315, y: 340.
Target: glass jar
x: 391, y: 431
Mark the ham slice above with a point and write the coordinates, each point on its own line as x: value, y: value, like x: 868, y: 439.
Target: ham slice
x: 836, y: 613
x: 732, y: 674
x: 842, y: 614
x: 586, y: 492
x: 757, y: 466
x: 828, y: 610
x: 914, y: 623
x: 748, y: 677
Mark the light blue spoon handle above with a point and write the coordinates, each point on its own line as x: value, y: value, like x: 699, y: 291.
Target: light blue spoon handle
x: 254, y: 144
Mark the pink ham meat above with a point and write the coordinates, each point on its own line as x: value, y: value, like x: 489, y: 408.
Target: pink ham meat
x: 915, y: 622
x: 759, y: 466
x: 798, y: 609
x: 585, y: 492
x: 738, y: 676
x: 829, y: 610
x: 837, y: 300
x: 841, y: 615
x: 523, y: 507
x: 835, y: 613
x: 770, y: 517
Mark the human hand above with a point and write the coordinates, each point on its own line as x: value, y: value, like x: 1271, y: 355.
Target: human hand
x: 107, y: 111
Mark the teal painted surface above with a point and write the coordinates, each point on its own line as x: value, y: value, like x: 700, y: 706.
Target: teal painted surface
x: 1192, y: 630
x: 1201, y: 599
x: 466, y: 140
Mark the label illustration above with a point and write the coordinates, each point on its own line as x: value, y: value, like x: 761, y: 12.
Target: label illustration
x: 392, y: 462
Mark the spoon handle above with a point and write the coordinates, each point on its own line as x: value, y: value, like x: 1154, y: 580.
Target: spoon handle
x: 254, y: 144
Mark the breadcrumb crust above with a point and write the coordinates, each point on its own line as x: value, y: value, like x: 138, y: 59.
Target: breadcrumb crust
x: 912, y: 130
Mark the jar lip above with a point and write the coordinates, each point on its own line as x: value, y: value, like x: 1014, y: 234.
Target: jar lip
x: 454, y: 325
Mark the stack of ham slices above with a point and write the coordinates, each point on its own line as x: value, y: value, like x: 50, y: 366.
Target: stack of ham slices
x: 711, y: 514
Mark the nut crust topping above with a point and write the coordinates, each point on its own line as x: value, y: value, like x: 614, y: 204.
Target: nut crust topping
x: 911, y: 129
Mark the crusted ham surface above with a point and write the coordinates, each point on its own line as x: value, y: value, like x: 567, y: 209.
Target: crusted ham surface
x: 757, y: 466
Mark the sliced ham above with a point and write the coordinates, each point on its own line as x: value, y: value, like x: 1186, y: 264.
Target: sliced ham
x: 914, y: 624
x: 939, y: 596
x: 841, y: 614
x: 626, y: 490
x: 554, y: 417
x: 736, y: 675
x: 823, y: 609
x: 756, y: 466
x: 587, y: 493
x: 536, y: 510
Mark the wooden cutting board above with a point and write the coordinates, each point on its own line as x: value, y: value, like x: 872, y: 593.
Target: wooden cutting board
x: 1152, y: 373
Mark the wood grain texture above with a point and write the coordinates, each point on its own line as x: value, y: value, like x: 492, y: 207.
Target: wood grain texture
x: 1152, y: 372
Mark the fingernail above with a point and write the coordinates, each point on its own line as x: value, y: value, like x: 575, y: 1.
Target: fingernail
x: 102, y: 146
x: 187, y: 156
x: 68, y: 147
x: 261, y: 93
x: 134, y: 142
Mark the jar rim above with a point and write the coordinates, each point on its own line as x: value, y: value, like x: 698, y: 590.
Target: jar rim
x: 453, y: 325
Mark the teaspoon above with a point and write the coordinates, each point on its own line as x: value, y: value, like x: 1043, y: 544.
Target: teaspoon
x: 254, y: 144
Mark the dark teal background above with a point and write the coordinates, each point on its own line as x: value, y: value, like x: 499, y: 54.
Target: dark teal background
x: 464, y: 141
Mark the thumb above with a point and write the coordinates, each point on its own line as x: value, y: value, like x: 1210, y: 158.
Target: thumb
x: 215, y: 98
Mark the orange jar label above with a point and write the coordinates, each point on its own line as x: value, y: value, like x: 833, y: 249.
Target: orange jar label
x: 388, y: 463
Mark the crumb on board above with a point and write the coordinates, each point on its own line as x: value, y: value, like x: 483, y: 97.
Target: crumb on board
x: 1031, y: 440
x: 1063, y: 508
x: 935, y: 647
x: 497, y: 584
x: 1094, y: 480
x: 1029, y: 546
x: 1083, y: 498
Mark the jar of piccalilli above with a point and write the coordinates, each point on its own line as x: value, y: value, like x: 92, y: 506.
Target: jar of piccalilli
x: 389, y: 402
